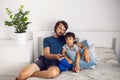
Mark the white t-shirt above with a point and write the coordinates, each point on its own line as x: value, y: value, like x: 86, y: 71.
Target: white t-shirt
x: 74, y: 48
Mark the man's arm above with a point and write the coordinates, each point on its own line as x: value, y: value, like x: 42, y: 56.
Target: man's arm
x: 48, y: 55
x: 86, y: 54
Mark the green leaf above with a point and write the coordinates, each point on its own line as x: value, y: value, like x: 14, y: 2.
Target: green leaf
x: 27, y: 23
x: 25, y: 19
x: 11, y: 16
x: 27, y: 12
x: 21, y: 7
x: 9, y: 23
x: 18, y: 20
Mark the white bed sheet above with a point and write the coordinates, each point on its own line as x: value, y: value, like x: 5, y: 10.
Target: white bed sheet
x: 102, y: 72
x: 107, y: 68
x: 106, y: 56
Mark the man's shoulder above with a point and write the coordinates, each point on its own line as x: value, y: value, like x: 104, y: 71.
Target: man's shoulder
x: 52, y: 37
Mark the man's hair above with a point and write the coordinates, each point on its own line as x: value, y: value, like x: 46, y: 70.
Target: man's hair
x: 70, y: 34
x: 63, y: 22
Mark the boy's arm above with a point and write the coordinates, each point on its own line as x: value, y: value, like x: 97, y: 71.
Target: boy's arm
x: 77, y: 58
x: 64, y: 54
x: 86, y: 54
x: 77, y: 66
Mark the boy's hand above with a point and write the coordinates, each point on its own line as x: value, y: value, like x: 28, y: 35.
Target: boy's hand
x: 76, y: 68
x: 70, y: 61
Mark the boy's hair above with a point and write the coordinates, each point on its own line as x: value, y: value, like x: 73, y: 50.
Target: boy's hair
x: 63, y: 22
x: 70, y: 34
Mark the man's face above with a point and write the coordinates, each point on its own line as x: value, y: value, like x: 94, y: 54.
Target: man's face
x: 60, y: 30
x: 69, y: 41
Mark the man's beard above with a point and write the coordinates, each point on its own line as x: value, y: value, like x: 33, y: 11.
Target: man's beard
x: 59, y: 34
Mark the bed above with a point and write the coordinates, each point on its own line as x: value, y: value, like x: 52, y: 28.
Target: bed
x: 103, y: 46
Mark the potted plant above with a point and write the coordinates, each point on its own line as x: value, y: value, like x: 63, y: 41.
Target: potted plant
x: 19, y: 21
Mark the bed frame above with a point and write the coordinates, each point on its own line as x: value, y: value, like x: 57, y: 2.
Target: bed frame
x: 99, y: 39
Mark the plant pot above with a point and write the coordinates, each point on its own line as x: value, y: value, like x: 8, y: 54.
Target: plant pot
x: 21, y: 38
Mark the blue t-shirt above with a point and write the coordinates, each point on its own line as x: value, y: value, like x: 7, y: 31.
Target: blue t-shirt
x: 55, y: 44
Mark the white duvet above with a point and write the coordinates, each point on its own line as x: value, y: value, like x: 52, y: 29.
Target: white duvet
x: 107, y: 68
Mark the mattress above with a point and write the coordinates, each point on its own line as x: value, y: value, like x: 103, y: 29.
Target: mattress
x: 107, y: 68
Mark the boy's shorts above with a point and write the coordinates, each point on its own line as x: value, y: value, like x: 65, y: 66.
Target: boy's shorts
x: 44, y: 63
x: 64, y: 65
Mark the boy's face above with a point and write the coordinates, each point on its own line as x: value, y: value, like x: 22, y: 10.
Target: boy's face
x: 69, y: 41
x: 60, y: 30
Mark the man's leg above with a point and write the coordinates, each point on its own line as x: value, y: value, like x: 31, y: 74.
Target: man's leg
x: 52, y: 72
x: 28, y: 71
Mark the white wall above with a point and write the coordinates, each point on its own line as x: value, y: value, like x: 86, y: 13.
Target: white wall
x: 118, y: 45
x: 81, y: 15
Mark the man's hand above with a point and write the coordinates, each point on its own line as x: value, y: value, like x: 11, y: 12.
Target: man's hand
x: 86, y: 56
x: 59, y: 56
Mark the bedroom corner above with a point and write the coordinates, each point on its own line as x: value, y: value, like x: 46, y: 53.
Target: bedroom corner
x: 98, y: 21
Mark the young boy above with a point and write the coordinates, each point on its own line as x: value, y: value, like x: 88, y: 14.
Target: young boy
x: 66, y: 63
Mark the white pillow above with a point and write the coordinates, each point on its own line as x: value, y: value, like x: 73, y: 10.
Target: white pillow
x: 40, y: 41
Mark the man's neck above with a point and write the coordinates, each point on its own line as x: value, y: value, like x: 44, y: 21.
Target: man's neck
x: 56, y: 36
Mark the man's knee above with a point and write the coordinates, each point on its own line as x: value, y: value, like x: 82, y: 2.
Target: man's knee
x: 53, y: 72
